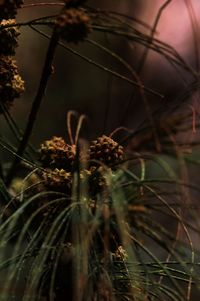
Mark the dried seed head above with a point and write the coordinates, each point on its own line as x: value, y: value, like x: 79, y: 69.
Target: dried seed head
x: 17, y: 84
x: 8, y: 67
x: 55, y: 153
x: 73, y: 25
x: 57, y: 180
x: 120, y: 254
x: 8, y: 8
x: 104, y: 149
x: 11, y: 83
x: 8, y: 37
x: 98, y: 179
x: 85, y: 174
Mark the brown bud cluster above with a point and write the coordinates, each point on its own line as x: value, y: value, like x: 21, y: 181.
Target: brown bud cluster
x: 55, y: 153
x: 11, y: 84
x: 57, y: 180
x: 59, y: 158
x: 8, y: 8
x: 104, y: 149
x: 73, y: 25
x: 8, y: 37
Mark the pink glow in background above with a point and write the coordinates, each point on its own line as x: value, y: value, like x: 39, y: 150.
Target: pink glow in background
x: 175, y: 24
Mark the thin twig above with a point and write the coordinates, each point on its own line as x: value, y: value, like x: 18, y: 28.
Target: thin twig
x: 146, y: 51
x: 90, y: 61
x: 42, y: 4
x: 47, y: 70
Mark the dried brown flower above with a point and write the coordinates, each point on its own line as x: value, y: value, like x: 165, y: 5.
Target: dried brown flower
x: 8, y: 37
x: 11, y: 83
x: 56, y: 153
x: 73, y: 25
x: 104, y: 149
x: 57, y: 180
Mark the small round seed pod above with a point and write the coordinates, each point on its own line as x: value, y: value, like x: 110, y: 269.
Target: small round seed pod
x: 104, y: 149
x: 57, y: 180
x: 11, y: 83
x: 55, y: 153
x: 8, y: 8
x: 8, y: 37
x: 73, y: 25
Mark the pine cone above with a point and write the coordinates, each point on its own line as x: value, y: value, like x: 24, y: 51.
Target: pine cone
x: 11, y: 83
x: 57, y: 154
x: 8, y: 8
x: 106, y: 150
x: 57, y: 180
x: 73, y: 25
x: 8, y: 37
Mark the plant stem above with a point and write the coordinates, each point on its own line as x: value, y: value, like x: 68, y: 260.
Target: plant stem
x: 46, y: 72
x: 42, y: 4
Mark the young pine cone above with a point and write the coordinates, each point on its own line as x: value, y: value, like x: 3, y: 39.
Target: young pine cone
x: 8, y: 37
x: 55, y: 153
x: 104, y: 149
x: 8, y: 8
x: 11, y: 83
x: 57, y: 180
x: 73, y: 25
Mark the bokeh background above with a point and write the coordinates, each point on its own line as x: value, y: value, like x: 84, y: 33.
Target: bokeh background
x: 108, y: 102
